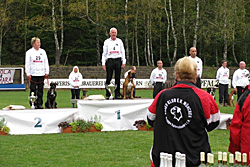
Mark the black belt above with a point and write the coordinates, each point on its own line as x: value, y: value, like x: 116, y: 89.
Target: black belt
x: 115, y: 59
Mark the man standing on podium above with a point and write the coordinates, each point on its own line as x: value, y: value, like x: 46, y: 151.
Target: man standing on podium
x: 113, y: 58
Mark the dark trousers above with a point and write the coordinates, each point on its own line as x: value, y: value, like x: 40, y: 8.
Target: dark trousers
x: 239, y: 91
x: 198, y: 82
x: 36, y: 86
x: 223, y: 91
x: 113, y: 65
x: 75, y: 93
x: 157, y: 88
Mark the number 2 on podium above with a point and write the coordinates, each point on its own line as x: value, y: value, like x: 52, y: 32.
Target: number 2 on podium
x: 39, y: 120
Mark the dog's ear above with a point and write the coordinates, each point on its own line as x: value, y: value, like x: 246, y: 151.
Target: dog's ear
x: 51, y: 83
x: 129, y: 72
x: 56, y: 83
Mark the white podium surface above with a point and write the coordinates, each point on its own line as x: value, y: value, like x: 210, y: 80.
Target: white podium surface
x: 36, y: 121
x: 115, y: 114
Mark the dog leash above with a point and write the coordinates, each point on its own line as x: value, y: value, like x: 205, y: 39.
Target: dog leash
x: 46, y: 77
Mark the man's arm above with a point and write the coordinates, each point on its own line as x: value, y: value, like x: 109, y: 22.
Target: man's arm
x: 46, y: 65
x: 27, y: 64
x: 104, y: 55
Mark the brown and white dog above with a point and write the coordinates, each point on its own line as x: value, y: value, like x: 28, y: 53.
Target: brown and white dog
x: 128, y: 86
x: 230, y: 99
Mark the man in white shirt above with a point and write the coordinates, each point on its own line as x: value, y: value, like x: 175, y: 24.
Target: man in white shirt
x: 133, y: 69
x: 223, y: 77
x: 240, y: 79
x: 113, y: 58
x: 36, y: 68
x: 198, y: 61
x: 158, y: 78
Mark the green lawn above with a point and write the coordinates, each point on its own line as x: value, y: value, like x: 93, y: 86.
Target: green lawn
x: 104, y: 149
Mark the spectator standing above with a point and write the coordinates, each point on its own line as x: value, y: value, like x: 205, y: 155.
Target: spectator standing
x: 75, y: 80
x: 193, y: 56
x: 240, y: 79
x: 158, y: 78
x: 223, y: 77
x: 181, y: 116
x: 239, y: 128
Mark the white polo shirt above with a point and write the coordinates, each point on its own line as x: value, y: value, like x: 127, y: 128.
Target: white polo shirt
x: 240, y: 78
x: 113, y: 49
x: 36, y: 62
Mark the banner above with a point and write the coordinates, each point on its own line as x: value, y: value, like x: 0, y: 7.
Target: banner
x: 115, y: 114
x: 6, y: 76
x: 140, y: 83
x: 37, y: 121
x: 96, y: 83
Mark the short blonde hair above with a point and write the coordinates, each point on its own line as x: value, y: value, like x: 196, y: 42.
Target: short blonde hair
x: 186, y: 69
x: 33, y: 40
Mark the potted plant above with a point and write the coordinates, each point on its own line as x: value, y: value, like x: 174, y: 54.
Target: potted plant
x: 228, y: 123
x: 4, y: 130
x: 83, y: 125
x: 143, y: 125
x: 96, y: 125
x: 65, y: 127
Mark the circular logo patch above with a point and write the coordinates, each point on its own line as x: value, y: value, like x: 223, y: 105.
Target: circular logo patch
x: 178, y: 113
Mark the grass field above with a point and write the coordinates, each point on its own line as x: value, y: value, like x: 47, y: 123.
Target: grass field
x: 105, y: 149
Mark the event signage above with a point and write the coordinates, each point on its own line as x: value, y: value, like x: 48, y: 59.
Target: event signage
x: 6, y: 76
x: 140, y: 83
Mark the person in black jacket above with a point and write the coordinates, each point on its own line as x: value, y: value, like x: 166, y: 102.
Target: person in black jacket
x: 182, y: 116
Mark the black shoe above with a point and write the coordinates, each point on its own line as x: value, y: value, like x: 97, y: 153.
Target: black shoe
x: 118, y: 97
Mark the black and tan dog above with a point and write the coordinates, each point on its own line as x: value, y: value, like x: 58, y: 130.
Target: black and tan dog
x: 128, y: 86
x: 84, y: 93
x: 230, y: 99
x: 51, y: 96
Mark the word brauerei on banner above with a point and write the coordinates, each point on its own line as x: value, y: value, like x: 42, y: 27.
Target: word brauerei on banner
x: 140, y: 83
x: 6, y: 76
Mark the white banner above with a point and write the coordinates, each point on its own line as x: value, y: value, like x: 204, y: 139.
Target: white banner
x: 208, y: 83
x: 96, y: 83
x: 140, y: 83
x: 6, y: 76
x: 115, y: 114
x: 37, y: 121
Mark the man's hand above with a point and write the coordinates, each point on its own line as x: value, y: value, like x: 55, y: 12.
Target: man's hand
x: 104, y: 67
x: 123, y: 65
x: 235, y: 89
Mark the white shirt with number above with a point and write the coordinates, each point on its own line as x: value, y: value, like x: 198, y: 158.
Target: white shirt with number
x: 158, y: 75
x: 240, y: 78
x: 36, y: 62
x: 198, y: 62
x: 113, y: 49
x: 75, y: 79
x: 223, y: 75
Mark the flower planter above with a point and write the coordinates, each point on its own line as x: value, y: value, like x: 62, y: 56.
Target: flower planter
x: 93, y: 129
x: 3, y: 133
x: 144, y: 128
x: 67, y: 130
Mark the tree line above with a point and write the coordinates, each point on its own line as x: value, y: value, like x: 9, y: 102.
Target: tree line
x: 73, y: 31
